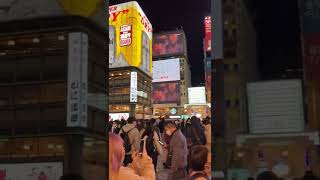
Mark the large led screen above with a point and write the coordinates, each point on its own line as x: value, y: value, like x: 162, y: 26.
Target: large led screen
x: 130, y: 37
x: 169, y: 44
x: 197, y: 95
x: 166, y: 70
x: 166, y: 92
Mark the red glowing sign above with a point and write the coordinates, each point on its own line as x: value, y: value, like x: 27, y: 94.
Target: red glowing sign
x: 207, y: 28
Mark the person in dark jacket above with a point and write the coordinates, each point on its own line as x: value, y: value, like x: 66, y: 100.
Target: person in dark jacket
x: 161, y: 125
x: 267, y: 175
x: 71, y: 177
x: 194, y: 132
x: 179, y: 151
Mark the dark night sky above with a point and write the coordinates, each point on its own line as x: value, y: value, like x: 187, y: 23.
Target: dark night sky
x: 278, y: 37
x: 172, y: 14
x: 277, y: 24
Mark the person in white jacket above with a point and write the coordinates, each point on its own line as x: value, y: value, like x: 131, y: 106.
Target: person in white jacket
x: 134, y: 138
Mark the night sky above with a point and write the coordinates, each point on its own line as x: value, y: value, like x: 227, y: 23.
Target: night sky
x: 188, y: 14
x: 276, y: 21
x: 279, y: 45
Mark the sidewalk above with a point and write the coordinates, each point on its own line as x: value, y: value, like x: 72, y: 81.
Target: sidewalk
x: 162, y: 173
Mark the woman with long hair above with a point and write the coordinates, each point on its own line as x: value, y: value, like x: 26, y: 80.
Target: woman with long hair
x: 153, y: 146
x: 140, y: 169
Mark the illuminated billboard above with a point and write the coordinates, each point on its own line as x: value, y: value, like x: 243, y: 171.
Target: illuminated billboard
x: 197, y: 95
x: 166, y: 92
x: 130, y: 37
x: 169, y: 44
x: 118, y: 116
x: 166, y: 70
x: 207, y: 29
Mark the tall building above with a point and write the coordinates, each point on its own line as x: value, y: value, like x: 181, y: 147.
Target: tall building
x: 52, y: 64
x: 130, y: 62
x: 272, y: 133
x: 237, y: 68
x: 171, y: 74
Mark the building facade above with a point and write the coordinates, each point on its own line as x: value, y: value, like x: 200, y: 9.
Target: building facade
x: 179, y: 77
x: 36, y: 110
x: 130, y: 62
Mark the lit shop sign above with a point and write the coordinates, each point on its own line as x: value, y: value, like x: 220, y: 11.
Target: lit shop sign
x: 125, y: 35
x: 142, y: 94
x: 133, y: 87
x: 174, y: 117
x: 173, y: 111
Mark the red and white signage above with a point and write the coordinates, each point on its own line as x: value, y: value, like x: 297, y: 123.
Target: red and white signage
x: 207, y: 28
x: 125, y: 35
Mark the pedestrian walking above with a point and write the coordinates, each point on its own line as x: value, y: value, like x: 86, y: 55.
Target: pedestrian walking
x: 178, y: 152
x: 130, y: 136
x: 194, y: 133
x: 207, y: 132
x: 153, y: 145
x: 161, y: 125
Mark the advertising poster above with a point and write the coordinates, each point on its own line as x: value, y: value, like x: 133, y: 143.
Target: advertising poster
x: 31, y: 171
x: 207, y: 29
x: 166, y: 92
x: 166, y: 70
x: 77, y: 80
x: 169, y: 44
x: 130, y: 37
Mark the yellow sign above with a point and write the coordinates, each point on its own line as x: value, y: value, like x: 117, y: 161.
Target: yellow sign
x: 84, y: 8
x: 130, y: 37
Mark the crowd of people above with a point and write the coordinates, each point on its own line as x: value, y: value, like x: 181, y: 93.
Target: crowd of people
x: 269, y: 175
x: 185, y: 144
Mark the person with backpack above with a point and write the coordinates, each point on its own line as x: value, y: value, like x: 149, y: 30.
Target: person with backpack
x: 197, y: 159
x: 194, y: 133
x: 153, y: 146
x: 131, y: 141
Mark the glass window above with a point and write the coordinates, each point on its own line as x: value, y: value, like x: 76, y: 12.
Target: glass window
x: 237, y: 103
x: 53, y: 92
x: 228, y: 103
x: 27, y: 94
x: 55, y: 68
x: 226, y: 67
x: 236, y: 67
x: 28, y: 69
